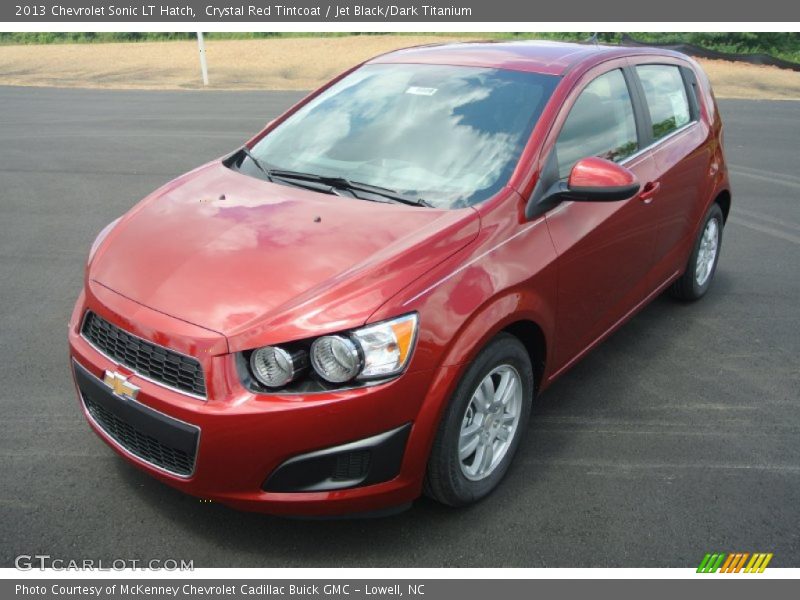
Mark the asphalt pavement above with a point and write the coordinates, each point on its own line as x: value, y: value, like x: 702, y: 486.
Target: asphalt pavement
x: 678, y: 436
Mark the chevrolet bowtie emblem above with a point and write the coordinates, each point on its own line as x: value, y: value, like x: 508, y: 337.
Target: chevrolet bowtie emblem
x: 120, y: 385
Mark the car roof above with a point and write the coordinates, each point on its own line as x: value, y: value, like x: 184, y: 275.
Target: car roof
x: 552, y: 58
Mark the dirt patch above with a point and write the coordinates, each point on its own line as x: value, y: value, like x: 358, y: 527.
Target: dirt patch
x: 760, y: 82
x: 278, y: 64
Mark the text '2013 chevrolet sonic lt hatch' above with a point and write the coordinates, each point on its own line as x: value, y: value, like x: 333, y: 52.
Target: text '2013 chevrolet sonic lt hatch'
x: 360, y: 304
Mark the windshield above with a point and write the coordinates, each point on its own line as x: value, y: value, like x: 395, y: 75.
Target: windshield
x: 449, y: 135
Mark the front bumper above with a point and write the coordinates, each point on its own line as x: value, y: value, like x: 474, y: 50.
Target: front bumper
x: 244, y: 440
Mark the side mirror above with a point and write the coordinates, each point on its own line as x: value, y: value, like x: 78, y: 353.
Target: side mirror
x: 595, y: 179
x: 592, y: 179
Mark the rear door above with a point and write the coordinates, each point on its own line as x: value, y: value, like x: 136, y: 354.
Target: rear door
x: 680, y: 145
x: 605, y: 248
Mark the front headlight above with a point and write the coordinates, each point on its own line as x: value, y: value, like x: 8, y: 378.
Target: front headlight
x: 275, y: 367
x: 377, y: 351
x: 386, y: 346
x: 335, y: 358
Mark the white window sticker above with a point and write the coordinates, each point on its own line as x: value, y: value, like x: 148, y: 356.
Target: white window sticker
x: 421, y: 91
x: 679, y: 108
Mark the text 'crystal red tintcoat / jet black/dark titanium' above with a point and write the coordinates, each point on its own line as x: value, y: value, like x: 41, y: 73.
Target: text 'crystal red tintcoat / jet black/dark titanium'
x: 361, y: 304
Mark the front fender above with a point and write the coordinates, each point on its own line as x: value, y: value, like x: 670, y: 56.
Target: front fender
x: 506, y: 275
x: 497, y: 315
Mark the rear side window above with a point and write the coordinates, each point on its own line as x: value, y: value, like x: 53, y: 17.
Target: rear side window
x: 600, y: 123
x: 665, y: 94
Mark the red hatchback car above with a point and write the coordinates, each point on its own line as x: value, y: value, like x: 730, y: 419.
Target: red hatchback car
x: 360, y: 304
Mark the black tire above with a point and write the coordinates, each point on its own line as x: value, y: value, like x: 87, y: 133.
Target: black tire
x: 444, y: 480
x: 686, y: 286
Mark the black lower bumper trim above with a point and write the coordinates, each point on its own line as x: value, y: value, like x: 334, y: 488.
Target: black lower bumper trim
x: 162, y: 441
x: 364, y: 462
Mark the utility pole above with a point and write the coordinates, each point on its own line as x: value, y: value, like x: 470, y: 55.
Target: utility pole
x: 201, y: 45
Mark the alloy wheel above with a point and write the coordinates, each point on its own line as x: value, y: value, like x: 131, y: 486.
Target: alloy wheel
x: 707, y: 253
x: 490, y: 422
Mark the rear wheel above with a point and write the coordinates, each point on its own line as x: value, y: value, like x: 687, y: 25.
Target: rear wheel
x: 702, y: 265
x: 483, y: 425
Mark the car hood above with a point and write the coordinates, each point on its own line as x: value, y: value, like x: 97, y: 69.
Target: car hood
x: 263, y: 263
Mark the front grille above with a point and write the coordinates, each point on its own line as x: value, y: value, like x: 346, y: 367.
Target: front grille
x: 144, y: 358
x: 140, y: 444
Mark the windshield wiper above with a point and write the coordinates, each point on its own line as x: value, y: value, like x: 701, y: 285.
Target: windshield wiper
x: 246, y: 151
x: 343, y: 183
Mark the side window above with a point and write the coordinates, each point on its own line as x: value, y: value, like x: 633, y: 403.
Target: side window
x: 665, y: 94
x: 600, y: 123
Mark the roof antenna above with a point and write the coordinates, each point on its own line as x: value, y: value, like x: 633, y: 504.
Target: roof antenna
x: 594, y: 39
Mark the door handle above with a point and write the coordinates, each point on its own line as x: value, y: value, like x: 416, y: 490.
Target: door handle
x: 649, y: 191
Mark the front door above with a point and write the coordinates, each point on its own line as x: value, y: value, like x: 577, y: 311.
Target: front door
x: 605, y: 248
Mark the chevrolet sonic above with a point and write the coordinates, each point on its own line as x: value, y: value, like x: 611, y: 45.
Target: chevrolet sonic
x: 361, y: 303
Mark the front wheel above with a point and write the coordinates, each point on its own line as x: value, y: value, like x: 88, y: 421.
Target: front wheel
x: 702, y: 265
x: 482, y: 427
